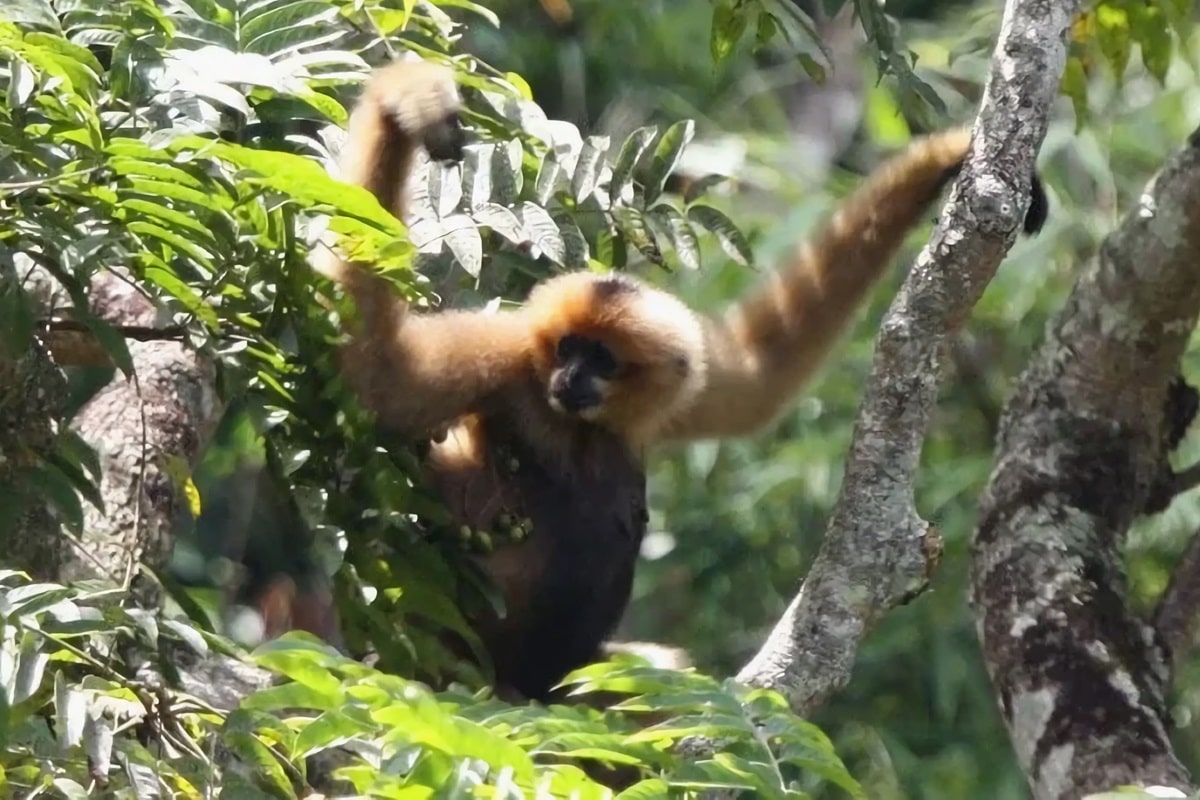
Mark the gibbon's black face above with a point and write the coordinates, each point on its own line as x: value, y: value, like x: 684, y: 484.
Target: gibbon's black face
x: 444, y: 141
x: 580, y: 380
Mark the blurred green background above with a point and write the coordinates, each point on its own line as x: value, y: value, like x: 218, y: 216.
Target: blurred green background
x: 735, y: 525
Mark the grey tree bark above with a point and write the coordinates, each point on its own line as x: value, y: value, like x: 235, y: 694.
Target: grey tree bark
x: 32, y: 398
x: 878, y: 552
x: 149, y: 430
x: 1082, y: 451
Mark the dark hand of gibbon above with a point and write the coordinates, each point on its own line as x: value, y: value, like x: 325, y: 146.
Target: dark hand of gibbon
x: 445, y: 140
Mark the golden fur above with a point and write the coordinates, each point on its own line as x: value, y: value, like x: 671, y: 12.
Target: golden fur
x: 661, y: 372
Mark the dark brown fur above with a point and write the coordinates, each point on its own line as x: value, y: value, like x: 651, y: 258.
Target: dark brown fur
x: 489, y: 379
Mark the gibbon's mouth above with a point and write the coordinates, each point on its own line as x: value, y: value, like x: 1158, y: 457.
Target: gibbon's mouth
x: 571, y: 404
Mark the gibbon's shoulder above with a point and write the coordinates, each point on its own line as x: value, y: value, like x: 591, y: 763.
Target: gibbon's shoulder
x: 416, y: 94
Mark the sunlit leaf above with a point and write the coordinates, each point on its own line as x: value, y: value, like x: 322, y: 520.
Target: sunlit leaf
x: 730, y: 238
x: 632, y: 225
x: 729, y: 23
x: 587, y: 167
x: 666, y: 156
x: 682, y: 237
x: 628, y: 159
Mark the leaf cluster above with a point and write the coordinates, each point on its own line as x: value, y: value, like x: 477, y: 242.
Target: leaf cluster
x: 184, y: 146
x: 75, y: 717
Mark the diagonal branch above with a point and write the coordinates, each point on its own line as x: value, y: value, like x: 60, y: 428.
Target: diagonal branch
x: 877, y: 551
x: 1177, y: 618
x: 1082, y: 449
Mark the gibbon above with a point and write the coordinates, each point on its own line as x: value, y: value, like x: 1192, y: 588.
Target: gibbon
x: 547, y: 410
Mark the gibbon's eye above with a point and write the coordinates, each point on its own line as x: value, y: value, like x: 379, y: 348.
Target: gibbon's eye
x: 567, y: 347
x: 598, y: 359
x: 603, y: 361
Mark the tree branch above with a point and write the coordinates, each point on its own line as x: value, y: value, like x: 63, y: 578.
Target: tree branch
x: 877, y: 551
x: 74, y: 345
x: 1082, y: 448
x: 1177, y: 618
x: 148, y: 431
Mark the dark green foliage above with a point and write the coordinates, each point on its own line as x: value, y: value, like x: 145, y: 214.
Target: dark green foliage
x: 183, y: 142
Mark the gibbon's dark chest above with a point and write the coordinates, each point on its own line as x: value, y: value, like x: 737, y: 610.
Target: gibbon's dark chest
x: 566, y: 586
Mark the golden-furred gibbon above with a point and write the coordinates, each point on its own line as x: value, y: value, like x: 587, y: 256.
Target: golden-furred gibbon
x: 549, y: 408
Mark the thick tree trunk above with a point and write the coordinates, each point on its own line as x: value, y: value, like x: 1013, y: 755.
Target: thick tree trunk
x: 878, y: 552
x: 33, y: 394
x: 149, y: 431
x: 1081, y: 452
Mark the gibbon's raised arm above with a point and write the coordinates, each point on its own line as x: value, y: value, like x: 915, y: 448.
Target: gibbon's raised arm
x: 767, y: 345
x: 416, y: 372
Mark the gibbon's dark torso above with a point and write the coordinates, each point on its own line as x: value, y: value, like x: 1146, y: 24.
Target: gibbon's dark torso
x: 567, y: 585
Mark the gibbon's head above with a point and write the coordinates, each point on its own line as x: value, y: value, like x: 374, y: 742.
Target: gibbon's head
x: 422, y: 99
x: 614, y: 351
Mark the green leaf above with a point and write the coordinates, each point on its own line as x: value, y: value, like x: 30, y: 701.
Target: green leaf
x: 32, y: 659
x: 32, y: 598
x: 728, y: 236
x: 170, y: 216
x: 541, y: 230
x: 500, y: 220
x: 165, y: 278
x: 331, y: 729
x: 879, y: 29
x: 75, y: 474
x: 260, y: 761
x: 649, y: 789
x: 69, y: 789
x: 445, y: 188
x: 30, y: 13
x: 1150, y: 28
x: 632, y: 225
x: 296, y: 177
x: 61, y: 494
x: 176, y: 244
x: 477, y: 172
x: 549, y: 174
x: 682, y: 237
x: 77, y: 450
x: 627, y: 160
x: 765, y: 30
x: 304, y: 659
x: 464, y: 241
x: 575, y: 246
x: 1113, y: 36
x: 1074, y: 84
x: 666, y: 156
x: 294, y: 695
x: 17, y: 320
x: 587, y: 167
x: 728, y: 26
x: 508, y: 179
x: 194, y: 638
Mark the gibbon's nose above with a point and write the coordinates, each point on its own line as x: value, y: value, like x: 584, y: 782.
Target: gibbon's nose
x: 574, y: 393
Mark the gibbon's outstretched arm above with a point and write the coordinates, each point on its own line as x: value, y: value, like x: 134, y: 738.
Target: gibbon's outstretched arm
x: 767, y: 345
x: 397, y: 361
